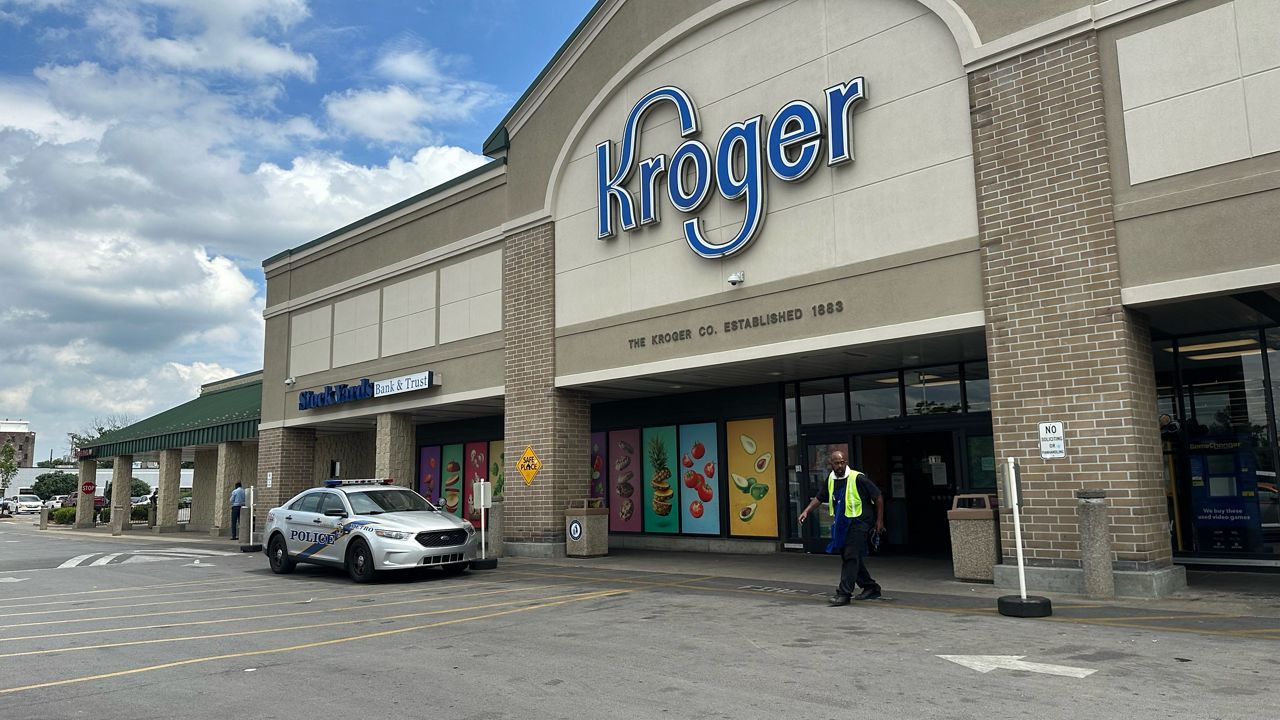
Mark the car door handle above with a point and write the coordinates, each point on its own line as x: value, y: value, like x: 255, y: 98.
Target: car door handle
x: 316, y: 521
x: 288, y: 517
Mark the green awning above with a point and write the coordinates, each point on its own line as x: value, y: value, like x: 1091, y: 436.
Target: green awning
x: 217, y: 417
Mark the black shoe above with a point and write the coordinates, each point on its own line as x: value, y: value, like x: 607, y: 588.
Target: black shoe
x: 838, y: 600
x: 868, y: 594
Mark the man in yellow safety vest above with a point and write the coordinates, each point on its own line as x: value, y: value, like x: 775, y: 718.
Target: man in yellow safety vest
x: 849, y: 496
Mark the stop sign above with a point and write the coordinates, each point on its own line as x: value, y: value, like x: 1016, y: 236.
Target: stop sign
x: 87, y: 487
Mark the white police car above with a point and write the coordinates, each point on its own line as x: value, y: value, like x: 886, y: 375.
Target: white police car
x: 366, y: 526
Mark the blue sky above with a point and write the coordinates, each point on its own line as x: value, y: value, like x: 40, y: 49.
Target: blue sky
x: 153, y: 153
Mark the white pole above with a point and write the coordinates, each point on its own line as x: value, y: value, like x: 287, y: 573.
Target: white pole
x: 251, y: 490
x: 483, y: 512
x: 1017, y: 525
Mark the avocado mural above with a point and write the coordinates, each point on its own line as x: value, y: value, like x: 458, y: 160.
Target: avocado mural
x: 429, y: 473
x: 752, y: 490
x: 497, y: 467
x: 451, y: 492
x: 624, y: 477
x: 658, y: 451
x: 700, y: 484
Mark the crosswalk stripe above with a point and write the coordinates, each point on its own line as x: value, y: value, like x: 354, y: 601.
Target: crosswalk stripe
x: 185, y: 551
x: 76, y: 560
x: 105, y: 559
x: 145, y: 558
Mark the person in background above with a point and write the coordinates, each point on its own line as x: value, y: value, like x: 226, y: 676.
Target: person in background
x: 237, y: 502
x: 849, y: 495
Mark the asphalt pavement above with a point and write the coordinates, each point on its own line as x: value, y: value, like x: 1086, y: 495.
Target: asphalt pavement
x: 209, y: 632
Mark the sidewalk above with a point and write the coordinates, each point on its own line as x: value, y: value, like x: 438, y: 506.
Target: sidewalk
x: 1254, y: 594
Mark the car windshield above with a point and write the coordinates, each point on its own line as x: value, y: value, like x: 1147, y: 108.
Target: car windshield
x: 28, y: 498
x: 376, y: 502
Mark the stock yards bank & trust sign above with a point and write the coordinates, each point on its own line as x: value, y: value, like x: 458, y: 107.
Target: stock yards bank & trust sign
x: 790, y: 147
x: 365, y: 389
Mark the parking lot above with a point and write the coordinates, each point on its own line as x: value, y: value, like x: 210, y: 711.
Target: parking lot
x: 220, y: 635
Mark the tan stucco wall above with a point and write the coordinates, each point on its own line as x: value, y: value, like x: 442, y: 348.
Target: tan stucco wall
x: 994, y: 19
x: 355, y: 452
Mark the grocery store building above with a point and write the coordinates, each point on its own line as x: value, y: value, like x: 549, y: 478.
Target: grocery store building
x: 718, y: 240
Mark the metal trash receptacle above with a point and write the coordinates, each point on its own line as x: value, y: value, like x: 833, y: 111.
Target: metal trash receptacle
x: 975, y: 536
x: 586, y: 528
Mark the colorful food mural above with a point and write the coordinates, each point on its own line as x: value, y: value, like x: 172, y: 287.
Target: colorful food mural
x: 451, y: 457
x: 599, y: 457
x: 658, y: 478
x: 624, y: 469
x: 752, y: 472
x: 476, y: 468
x: 699, y: 480
x: 497, y: 467
x: 429, y: 473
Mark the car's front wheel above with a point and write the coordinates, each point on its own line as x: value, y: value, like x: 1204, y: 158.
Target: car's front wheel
x: 278, y: 554
x: 360, y: 562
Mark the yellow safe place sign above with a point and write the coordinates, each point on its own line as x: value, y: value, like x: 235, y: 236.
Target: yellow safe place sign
x: 528, y: 465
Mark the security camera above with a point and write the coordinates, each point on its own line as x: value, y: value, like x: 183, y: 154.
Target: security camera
x: 737, y: 278
x: 289, y: 381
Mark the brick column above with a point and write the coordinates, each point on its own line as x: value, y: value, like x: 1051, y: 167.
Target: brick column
x: 1060, y: 345
x: 555, y: 423
x: 229, y: 471
x: 393, y: 449
x: 288, y: 454
x: 84, y: 503
x: 120, y: 500
x: 167, y: 500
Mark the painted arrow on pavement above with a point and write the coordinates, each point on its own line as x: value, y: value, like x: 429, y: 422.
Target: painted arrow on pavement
x: 987, y: 663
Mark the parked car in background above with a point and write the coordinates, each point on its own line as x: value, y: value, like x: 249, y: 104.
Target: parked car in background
x: 140, y: 499
x: 99, y: 501
x: 55, y: 502
x: 26, y: 504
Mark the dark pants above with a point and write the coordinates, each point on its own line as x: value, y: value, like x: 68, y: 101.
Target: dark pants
x: 853, y: 569
x: 235, y: 521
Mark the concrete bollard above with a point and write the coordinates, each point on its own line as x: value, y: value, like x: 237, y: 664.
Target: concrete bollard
x: 44, y: 518
x: 1095, y: 545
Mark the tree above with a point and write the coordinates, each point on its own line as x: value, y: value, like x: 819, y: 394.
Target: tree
x: 55, y: 483
x: 8, y: 466
x: 97, y: 428
x: 137, y: 488
x: 51, y: 463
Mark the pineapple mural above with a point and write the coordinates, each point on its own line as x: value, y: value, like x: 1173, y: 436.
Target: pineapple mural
x: 658, y: 453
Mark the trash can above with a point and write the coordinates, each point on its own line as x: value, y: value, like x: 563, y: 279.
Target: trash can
x: 975, y: 536
x: 586, y: 528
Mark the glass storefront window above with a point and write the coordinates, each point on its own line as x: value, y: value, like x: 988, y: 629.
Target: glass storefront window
x: 1222, y: 386
x: 874, y: 397
x: 933, y: 390
x: 981, y: 452
x: 822, y: 401
x: 793, y: 429
x: 977, y: 387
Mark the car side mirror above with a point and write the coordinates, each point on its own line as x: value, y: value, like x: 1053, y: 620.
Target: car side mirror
x: 335, y: 513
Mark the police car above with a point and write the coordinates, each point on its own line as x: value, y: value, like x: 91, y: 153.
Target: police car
x: 366, y: 526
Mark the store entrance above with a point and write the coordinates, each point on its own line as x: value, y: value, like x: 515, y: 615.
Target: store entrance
x: 918, y: 474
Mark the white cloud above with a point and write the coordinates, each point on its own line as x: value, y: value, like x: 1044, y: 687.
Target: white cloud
x: 390, y: 115
x: 411, y: 66
x: 141, y: 188
x: 217, y: 36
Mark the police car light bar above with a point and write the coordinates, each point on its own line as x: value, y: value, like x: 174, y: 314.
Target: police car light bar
x: 335, y: 482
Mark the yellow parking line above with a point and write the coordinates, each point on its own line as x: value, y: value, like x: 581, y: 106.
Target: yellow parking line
x: 265, y: 617
x: 263, y: 631
x: 137, y: 597
x: 185, y: 612
x: 308, y: 646
x: 184, y: 583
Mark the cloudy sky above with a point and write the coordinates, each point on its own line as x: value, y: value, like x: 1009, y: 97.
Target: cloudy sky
x: 154, y: 152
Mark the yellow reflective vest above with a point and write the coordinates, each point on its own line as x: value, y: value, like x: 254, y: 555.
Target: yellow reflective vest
x: 852, y: 498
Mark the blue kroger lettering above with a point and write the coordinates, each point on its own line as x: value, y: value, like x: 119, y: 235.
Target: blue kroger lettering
x: 335, y: 394
x: 789, y: 146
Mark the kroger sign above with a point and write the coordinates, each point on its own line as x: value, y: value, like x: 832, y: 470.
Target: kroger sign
x: 789, y: 145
